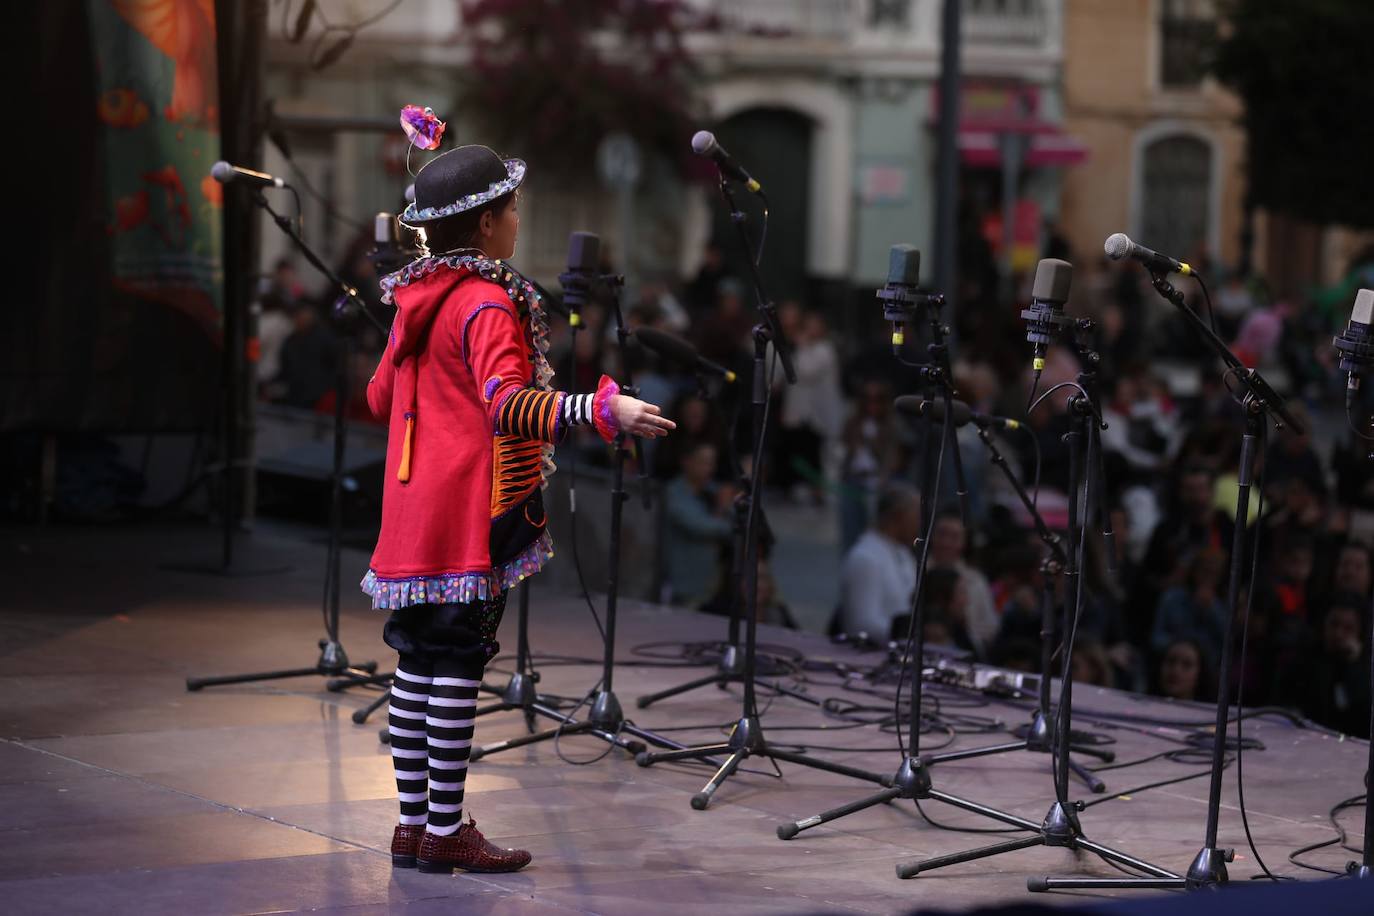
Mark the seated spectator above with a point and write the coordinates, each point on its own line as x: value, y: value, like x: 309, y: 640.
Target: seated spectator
x: 1296, y: 555
x: 944, y: 612
x: 947, y: 545
x: 1336, y: 685
x: 697, y: 425
x: 1195, y: 610
x: 871, y: 456
x: 697, y: 528
x: 771, y: 609
x: 1354, y: 572
x: 878, y: 576
x: 1091, y: 664
x: 1183, y: 672
x: 811, y: 410
x: 307, y: 358
x: 1140, y: 425
x: 1191, y: 524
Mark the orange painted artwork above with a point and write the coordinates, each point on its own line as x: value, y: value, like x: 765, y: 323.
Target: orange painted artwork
x: 122, y: 108
x: 184, y: 30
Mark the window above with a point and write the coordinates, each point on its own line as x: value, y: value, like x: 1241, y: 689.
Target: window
x: 1187, y: 34
x: 890, y: 14
x: 1177, y: 193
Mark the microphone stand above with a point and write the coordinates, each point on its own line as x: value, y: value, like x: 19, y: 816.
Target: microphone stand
x: 1365, y: 867
x: 730, y: 666
x: 606, y: 720
x: 333, y: 661
x: 1260, y: 403
x: 1041, y: 730
x: 913, y: 778
x: 747, y: 738
x: 1061, y: 826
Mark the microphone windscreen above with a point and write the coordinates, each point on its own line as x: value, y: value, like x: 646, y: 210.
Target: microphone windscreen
x: 222, y: 172
x: 703, y: 141
x: 904, y: 265
x: 911, y: 404
x: 917, y: 406
x: 669, y: 345
x: 584, y: 252
x: 1117, y: 246
x: 1364, y: 307
x: 1052, y: 279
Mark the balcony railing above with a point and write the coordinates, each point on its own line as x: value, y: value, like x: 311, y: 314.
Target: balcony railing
x: 1017, y: 23
x: 1010, y: 22
x: 817, y: 18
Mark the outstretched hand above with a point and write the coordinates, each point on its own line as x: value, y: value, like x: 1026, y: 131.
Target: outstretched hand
x: 639, y: 418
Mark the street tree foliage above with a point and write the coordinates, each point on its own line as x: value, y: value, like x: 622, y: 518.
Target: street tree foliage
x: 1306, y: 75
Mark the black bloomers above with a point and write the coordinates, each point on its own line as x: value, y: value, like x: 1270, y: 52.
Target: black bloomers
x: 458, y: 638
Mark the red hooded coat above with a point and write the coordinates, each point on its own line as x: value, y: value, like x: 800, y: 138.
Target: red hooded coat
x: 463, y: 387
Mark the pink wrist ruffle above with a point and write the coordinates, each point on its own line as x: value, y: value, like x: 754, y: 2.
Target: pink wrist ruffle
x: 606, y: 424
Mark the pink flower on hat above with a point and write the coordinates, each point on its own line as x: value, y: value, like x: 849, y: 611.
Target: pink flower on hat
x: 421, y: 125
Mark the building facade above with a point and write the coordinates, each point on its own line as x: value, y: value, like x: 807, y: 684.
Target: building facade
x: 1166, y: 163
x: 831, y: 103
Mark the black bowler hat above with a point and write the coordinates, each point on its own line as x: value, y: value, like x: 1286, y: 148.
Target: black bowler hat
x: 459, y: 180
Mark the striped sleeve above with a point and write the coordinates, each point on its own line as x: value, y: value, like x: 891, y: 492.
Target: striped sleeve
x: 577, y: 410
x: 530, y: 414
x: 497, y: 357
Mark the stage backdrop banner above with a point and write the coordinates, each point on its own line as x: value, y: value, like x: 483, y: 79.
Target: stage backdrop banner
x: 116, y: 323
x: 157, y: 103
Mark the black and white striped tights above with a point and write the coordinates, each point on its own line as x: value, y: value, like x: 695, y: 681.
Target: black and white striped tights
x: 431, y: 724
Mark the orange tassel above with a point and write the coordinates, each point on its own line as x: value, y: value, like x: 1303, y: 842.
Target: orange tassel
x: 403, y: 472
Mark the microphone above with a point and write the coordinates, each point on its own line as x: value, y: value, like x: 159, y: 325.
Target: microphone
x: 225, y: 173
x: 1356, y: 344
x: 704, y: 144
x: 1046, y: 317
x: 898, y: 295
x: 917, y: 406
x: 675, y: 348
x: 584, y: 260
x: 389, y: 253
x: 385, y: 230
x: 1120, y: 246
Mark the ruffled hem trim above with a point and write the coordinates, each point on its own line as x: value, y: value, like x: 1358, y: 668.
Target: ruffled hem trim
x: 602, y: 417
x: 461, y: 588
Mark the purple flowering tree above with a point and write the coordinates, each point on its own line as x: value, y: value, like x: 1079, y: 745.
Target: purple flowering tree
x: 550, y: 78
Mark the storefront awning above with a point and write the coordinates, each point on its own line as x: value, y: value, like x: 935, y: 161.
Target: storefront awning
x: 980, y: 148
x: 990, y: 109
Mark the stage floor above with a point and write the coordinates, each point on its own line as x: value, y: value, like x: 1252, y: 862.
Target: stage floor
x: 120, y: 792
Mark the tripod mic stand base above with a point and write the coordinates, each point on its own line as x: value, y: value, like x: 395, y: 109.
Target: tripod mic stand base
x: 606, y: 712
x: 729, y: 670
x: 606, y: 722
x: 913, y: 778
x: 333, y: 662
x: 1208, y: 868
x: 332, y: 656
x: 519, y: 691
x: 1061, y: 827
